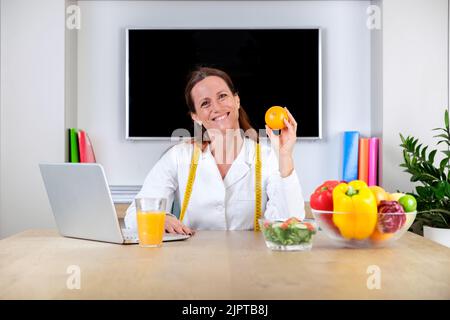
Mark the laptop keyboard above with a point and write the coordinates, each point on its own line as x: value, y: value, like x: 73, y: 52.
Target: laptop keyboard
x: 130, y: 235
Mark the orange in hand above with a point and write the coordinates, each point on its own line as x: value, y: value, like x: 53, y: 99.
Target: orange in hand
x: 274, y: 117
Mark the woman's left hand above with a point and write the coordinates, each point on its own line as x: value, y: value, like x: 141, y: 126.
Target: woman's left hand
x: 285, y: 142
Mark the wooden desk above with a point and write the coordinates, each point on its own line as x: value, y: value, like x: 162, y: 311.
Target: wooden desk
x: 219, y: 265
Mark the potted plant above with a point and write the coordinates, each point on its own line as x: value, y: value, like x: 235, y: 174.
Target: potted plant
x: 433, y: 195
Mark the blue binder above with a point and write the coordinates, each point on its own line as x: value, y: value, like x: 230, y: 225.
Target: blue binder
x: 350, y: 156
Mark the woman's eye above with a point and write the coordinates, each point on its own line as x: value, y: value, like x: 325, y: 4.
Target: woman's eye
x: 204, y: 104
x: 223, y: 95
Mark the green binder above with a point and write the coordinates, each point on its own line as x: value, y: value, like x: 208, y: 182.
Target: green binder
x: 73, y: 145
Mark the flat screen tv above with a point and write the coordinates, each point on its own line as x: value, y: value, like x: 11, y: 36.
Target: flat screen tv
x: 269, y: 67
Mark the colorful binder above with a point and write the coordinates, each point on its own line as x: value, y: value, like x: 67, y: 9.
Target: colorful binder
x: 85, y: 147
x: 350, y: 156
x: 69, y: 152
x: 73, y: 145
x: 363, y: 163
x: 373, y: 161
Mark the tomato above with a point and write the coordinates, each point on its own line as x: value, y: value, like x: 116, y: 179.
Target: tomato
x: 274, y: 117
x: 379, y: 193
x: 309, y: 226
x: 408, y: 202
x: 292, y: 220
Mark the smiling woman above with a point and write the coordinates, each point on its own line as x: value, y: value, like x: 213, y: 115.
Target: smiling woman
x: 216, y: 97
x: 224, y: 178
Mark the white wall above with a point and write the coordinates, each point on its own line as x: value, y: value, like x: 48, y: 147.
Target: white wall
x: 376, y: 72
x: 415, y: 71
x: 70, y: 75
x: 413, y: 75
x: 32, y: 108
x: 101, y: 69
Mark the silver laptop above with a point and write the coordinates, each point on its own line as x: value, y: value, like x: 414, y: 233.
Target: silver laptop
x: 82, y: 205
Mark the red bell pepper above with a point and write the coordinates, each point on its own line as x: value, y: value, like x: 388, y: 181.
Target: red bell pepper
x: 322, y: 199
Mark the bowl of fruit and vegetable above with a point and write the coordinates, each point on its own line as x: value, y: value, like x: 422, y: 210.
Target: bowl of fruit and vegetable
x: 292, y: 234
x: 356, y: 215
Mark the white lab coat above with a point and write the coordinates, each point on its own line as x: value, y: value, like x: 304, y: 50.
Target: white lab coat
x: 222, y: 204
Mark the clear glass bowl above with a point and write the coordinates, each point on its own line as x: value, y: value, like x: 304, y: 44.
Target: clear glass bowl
x: 388, y: 228
x: 288, y: 235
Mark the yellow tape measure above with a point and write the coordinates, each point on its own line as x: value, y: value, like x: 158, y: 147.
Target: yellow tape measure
x: 258, y: 191
x: 191, y: 178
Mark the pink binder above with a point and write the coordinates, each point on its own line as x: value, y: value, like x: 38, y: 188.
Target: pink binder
x: 373, y: 161
x: 86, y: 150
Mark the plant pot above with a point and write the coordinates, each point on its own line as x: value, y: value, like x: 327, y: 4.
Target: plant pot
x: 439, y: 235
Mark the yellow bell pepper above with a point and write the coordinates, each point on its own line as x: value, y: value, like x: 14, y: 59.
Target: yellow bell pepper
x: 360, y: 205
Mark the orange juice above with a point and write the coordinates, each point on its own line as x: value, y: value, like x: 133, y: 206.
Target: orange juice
x: 150, y: 227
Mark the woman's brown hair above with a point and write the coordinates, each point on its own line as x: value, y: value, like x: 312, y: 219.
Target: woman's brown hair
x: 195, y: 77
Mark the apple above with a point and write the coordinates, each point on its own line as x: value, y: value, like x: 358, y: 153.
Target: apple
x: 395, y: 196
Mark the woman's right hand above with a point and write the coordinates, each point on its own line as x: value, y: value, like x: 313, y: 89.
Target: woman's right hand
x: 173, y: 225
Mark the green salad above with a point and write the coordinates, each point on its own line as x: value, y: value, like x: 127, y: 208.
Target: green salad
x: 290, y: 232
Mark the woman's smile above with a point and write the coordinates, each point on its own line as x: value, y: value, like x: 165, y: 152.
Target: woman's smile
x: 216, y: 106
x: 221, y: 117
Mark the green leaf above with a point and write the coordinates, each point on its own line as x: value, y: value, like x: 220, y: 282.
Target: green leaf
x: 424, y: 192
x: 414, y: 142
x: 446, y: 120
x: 443, y: 164
x: 447, y: 191
x: 441, y: 136
x: 431, y: 156
x: 424, y: 152
x: 439, y: 190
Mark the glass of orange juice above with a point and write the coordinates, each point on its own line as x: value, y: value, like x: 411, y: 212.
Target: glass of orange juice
x: 151, y: 214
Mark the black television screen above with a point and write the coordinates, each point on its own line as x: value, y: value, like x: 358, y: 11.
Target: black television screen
x: 268, y: 67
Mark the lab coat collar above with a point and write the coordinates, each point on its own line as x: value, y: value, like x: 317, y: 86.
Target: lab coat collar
x: 248, y: 155
x: 241, y: 165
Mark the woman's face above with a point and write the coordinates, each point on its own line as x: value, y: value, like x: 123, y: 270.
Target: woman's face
x: 215, y: 106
